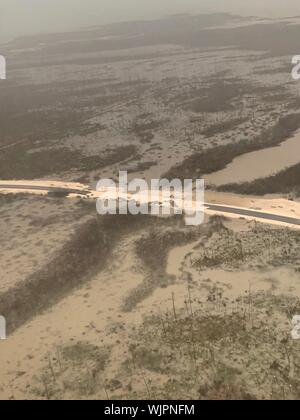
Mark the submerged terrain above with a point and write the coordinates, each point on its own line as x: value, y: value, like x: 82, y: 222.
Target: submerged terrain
x: 144, y: 307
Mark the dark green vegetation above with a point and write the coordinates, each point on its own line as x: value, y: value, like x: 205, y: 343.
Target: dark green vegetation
x: 119, y: 154
x: 40, y: 125
x: 223, y: 126
x: 221, y: 92
x: 18, y: 162
x: 233, y: 353
x: 217, y: 94
x: 142, y: 166
x: 9, y: 198
x: 143, y: 130
x: 221, y: 348
x: 284, y: 182
x: 202, y: 345
x: 85, y: 360
x: 55, y: 111
x: 219, y: 157
x: 254, y: 249
x: 152, y: 250
x: 44, y: 112
x: 85, y: 253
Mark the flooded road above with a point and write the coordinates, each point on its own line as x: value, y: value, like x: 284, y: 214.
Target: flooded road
x: 259, y: 164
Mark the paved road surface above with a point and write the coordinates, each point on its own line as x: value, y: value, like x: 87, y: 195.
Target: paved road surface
x: 253, y: 213
x: 42, y: 188
x: 212, y: 207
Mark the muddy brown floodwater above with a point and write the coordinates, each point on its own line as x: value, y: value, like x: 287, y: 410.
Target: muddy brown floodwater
x: 259, y: 164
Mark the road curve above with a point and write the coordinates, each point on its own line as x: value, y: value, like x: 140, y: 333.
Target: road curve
x: 217, y: 208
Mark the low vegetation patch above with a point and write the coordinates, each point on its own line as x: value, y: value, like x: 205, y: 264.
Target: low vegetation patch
x: 235, y: 354
x: 75, y: 369
x: 153, y: 249
x: 219, y: 157
x: 223, y: 126
x: 284, y: 182
x: 18, y: 162
x: 86, y: 253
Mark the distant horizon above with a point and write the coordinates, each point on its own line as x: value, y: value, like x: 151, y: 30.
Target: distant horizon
x: 31, y: 17
x: 116, y: 22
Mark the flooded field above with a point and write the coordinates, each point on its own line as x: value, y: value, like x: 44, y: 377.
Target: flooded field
x: 259, y: 164
x: 139, y: 307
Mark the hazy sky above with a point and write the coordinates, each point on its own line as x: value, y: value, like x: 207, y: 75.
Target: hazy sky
x: 19, y: 17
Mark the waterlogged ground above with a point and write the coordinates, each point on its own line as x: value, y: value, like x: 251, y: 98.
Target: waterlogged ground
x: 143, y: 307
x: 149, y: 321
x: 141, y: 97
x: 260, y: 164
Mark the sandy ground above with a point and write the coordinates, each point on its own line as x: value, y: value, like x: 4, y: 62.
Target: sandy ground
x: 33, y: 229
x: 86, y: 314
x: 94, y: 314
x: 40, y: 183
x: 271, y: 204
x: 151, y: 84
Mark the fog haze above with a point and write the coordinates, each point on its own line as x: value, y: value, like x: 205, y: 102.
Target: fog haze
x: 19, y: 17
